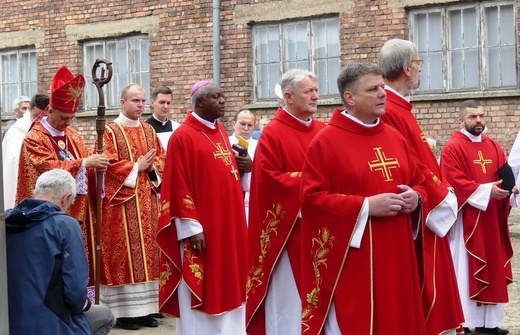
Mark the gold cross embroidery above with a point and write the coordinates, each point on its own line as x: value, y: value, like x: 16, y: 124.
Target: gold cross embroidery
x: 222, y: 154
x: 74, y: 93
x: 482, y: 161
x: 383, y: 164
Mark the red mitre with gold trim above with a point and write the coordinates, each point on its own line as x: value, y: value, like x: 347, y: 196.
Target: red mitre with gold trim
x: 66, y: 91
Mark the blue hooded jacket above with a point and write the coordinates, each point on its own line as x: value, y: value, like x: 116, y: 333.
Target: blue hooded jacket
x: 47, y: 271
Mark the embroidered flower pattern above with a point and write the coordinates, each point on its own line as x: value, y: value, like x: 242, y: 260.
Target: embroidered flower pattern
x: 196, y: 269
x: 165, y: 275
x: 321, y: 246
x: 273, y: 218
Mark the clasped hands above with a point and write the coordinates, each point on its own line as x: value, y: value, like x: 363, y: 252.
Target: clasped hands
x: 389, y: 204
x: 146, y: 162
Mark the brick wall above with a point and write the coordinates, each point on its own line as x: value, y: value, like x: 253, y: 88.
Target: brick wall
x: 181, y: 53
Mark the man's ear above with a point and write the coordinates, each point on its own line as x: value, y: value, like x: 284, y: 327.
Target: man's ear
x: 66, y: 201
x: 199, y: 102
x: 407, y: 70
x: 349, y: 99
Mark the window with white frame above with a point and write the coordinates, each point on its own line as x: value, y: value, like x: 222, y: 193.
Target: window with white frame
x: 311, y: 44
x: 466, y: 47
x: 130, y: 59
x: 18, y: 76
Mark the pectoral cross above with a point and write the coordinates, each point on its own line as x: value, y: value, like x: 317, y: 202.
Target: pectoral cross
x: 482, y: 161
x: 234, y: 172
x: 383, y: 164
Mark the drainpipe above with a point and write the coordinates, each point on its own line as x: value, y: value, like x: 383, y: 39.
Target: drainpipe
x: 216, y: 42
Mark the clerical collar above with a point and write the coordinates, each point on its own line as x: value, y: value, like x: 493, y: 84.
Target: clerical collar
x: 305, y: 123
x: 162, y: 122
x: 356, y: 120
x: 472, y: 137
x: 207, y: 123
x: 125, y: 121
x: 54, y: 132
x: 407, y: 98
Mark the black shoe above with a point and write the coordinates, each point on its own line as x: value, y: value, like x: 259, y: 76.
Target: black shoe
x: 147, y: 321
x: 467, y: 331
x: 157, y: 315
x: 495, y: 331
x: 127, y: 323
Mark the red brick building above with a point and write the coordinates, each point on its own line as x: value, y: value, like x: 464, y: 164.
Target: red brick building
x: 470, y: 49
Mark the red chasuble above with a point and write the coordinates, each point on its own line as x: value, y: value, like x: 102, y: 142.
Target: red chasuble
x: 274, y: 206
x: 129, y: 251
x: 201, y: 183
x: 440, y: 294
x: 375, y: 288
x: 40, y: 154
x: 466, y: 165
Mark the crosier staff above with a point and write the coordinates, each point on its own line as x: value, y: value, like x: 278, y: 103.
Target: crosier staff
x: 106, y: 75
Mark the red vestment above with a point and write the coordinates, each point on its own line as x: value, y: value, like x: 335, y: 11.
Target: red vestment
x: 375, y: 288
x: 40, y: 154
x: 274, y: 207
x: 466, y: 165
x: 441, y: 301
x: 201, y: 183
x: 129, y: 251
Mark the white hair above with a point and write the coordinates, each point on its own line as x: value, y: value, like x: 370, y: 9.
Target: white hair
x: 55, y: 184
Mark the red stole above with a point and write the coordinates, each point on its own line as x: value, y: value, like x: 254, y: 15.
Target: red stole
x: 441, y: 303
x: 274, y: 206
x: 466, y: 165
x: 199, y: 184
x: 375, y: 288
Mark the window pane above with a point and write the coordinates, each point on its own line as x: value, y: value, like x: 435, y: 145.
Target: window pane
x: 332, y: 74
x: 493, y: 36
x: 435, y: 71
x: 471, y: 66
x: 434, y: 26
x: 494, y: 66
x: 507, y: 24
x: 457, y: 73
x: 456, y: 28
x: 508, y: 66
x: 470, y: 27
x: 274, y: 45
x: 320, y: 38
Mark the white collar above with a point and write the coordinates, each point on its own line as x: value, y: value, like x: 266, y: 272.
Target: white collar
x: 125, y: 121
x: 162, y: 122
x: 355, y: 119
x: 51, y: 129
x: 407, y: 98
x: 472, y: 137
x: 305, y: 123
x: 212, y: 125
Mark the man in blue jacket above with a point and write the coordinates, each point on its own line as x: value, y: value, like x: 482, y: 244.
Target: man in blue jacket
x: 47, y: 267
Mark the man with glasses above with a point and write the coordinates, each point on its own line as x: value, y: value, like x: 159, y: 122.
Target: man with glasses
x: 243, y: 126
x: 401, y: 66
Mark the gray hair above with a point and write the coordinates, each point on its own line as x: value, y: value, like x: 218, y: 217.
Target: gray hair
x: 55, y: 184
x: 348, y: 78
x: 394, y: 55
x: 201, y: 93
x: 291, y: 78
x: 18, y: 101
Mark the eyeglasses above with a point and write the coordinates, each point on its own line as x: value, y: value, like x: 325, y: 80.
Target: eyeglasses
x: 419, y: 61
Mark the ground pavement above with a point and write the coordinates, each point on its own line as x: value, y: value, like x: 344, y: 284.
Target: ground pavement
x: 512, y: 321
